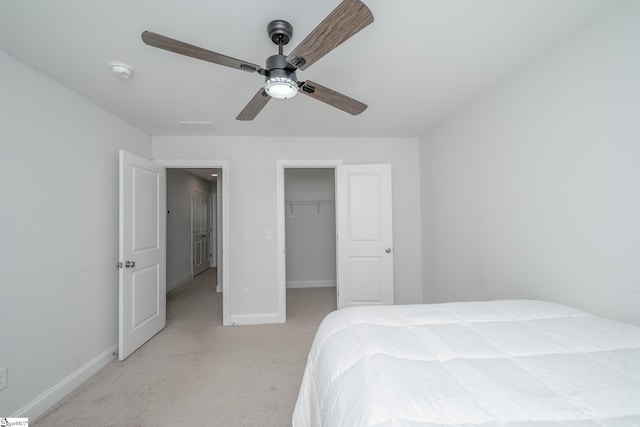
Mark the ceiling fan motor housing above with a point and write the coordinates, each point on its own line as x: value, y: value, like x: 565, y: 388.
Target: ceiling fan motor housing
x: 277, y: 66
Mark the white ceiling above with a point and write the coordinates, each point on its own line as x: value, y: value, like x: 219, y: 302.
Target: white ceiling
x: 418, y: 62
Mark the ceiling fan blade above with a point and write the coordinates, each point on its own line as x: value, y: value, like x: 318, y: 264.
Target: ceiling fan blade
x: 346, y: 20
x: 254, y: 106
x: 333, y: 98
x: 166, y: 43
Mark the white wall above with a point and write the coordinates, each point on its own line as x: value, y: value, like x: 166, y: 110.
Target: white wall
x: 311, y: 228
x: 252, y: 204
x: 180, y: 185
x: 59, y: 228
x: 534, y: 191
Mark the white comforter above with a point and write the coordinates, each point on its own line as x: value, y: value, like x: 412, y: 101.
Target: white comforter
x: 489, y: 364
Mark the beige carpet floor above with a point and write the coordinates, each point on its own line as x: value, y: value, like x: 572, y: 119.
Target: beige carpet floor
x: 197, y: 372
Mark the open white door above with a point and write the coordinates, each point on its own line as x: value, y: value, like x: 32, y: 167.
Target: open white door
x: 365, y: 235
x: 142, y: 251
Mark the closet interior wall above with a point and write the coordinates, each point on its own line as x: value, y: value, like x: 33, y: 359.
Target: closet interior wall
x: 310, y: 224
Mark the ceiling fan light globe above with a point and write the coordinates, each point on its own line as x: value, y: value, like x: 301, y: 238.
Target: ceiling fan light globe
x: 281, y: 87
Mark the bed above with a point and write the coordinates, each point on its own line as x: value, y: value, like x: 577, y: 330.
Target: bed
x: 511, y: 363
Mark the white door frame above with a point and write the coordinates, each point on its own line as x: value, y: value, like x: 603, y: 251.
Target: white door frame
x: 223, y: 165
x: 281, y: 165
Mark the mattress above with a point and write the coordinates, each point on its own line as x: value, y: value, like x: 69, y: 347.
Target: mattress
x: 511, y: 363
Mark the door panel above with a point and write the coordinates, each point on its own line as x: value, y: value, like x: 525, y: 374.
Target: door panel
x: 363, y: 204
x: 145, y: 202
x: 146, y: 295
x: 365, y: 235
x: 365, y: 278
x: 142, y: 280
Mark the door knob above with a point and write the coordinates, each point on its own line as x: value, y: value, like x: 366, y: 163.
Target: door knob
x: 388, y: 250
x: 130, y: 264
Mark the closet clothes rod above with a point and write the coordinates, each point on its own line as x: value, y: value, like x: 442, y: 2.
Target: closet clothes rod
x: 310, y: 202
x: 317, y: 203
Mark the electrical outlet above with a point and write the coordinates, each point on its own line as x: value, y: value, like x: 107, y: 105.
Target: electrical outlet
x: 245, y: 293
x: 3, y: 378
x: 267, y: 234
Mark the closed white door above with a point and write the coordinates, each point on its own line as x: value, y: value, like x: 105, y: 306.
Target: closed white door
x: 201, y: 231
x: 142, y: 252
x: 365, y: 235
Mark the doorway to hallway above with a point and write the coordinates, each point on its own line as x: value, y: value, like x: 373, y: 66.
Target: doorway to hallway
x: 192, y: 223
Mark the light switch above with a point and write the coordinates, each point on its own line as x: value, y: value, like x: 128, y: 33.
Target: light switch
x: 247, y: 234
x: 267, y: 234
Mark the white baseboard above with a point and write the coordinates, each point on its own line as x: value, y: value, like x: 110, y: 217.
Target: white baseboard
x: 311, y: 284
x: 252, y: 319
x: 179, y: 282
x: 49, y: 398
x: 219, y: 288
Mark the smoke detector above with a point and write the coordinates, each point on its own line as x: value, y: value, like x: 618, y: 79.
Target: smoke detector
x: 121, y: 70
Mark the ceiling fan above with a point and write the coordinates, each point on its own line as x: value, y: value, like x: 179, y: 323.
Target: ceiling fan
x: 347, y: 19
